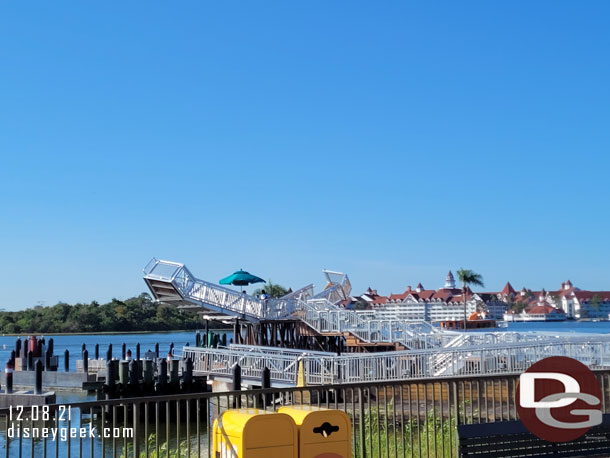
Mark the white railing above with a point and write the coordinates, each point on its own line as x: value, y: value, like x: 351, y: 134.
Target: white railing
x: 222, y: 361
x: 225, y: 299
x: 324, y: 316
x: 324, y: 368
x: 320, y: 312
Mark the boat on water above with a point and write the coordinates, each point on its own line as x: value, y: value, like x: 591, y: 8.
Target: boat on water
x: 474, y: 321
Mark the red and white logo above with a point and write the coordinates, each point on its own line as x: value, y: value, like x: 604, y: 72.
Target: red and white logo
x: 559, y: 399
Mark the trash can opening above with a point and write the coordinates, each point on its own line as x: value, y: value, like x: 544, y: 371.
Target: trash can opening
x: 326, y: 429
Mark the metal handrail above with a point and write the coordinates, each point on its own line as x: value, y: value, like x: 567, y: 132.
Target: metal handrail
x: 324, y: 316
x: 400, y: 365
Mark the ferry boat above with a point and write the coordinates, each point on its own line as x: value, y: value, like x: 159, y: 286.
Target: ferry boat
x: 475, y: 321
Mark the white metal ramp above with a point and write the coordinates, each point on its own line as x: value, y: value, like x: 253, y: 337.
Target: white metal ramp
x: 173, y: 283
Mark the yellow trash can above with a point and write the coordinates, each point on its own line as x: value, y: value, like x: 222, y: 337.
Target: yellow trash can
x: 323, y: 433
x: 254, y: 433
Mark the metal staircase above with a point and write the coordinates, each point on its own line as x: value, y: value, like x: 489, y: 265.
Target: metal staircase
x: 327, y: 318
x: 173, y: 283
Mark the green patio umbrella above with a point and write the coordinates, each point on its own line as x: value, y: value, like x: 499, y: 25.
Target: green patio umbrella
x: 241, y: 278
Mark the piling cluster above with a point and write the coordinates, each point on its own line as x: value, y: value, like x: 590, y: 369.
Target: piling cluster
x: 211, y: 339
x: 150, y: 375
x: 33, y: 354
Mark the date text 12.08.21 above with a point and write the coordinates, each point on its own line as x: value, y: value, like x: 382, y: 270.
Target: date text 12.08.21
x: 38, y: 413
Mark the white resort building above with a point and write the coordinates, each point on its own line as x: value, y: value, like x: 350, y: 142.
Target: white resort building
x: 444, y: 304
x: 447, y: 303
x: 578, y: 303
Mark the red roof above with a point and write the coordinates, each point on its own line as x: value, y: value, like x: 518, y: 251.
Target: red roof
x: 425, y: 294
x: 543, y: 310
x: 508, y: 289
x: 399, y: 297
x: 379, y: 300
x: 588, y: 295
x: 566, y: 292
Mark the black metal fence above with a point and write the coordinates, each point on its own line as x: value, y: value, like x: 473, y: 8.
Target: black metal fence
x: 414, y: 419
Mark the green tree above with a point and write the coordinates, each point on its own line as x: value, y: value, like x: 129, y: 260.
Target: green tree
x: 468, y: 277
x: 595, y: 302
x: 361, y: 305
x: 518, y: 306
x: 272, y: 289
x: 134, y: 314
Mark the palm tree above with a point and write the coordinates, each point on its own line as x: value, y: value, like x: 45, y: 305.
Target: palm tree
x: 468, y: 277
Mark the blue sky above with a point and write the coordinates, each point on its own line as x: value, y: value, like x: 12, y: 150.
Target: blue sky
x: 392, y: 140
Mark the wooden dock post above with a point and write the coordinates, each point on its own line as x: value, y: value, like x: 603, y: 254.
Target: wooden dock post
x: 38, y: 386
x: 85, y: 361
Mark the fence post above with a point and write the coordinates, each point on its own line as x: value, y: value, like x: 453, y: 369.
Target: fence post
x: 456, y: 402
x: 136, y: 423
x: 361, y: 423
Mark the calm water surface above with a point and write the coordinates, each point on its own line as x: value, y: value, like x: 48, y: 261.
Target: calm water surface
x: 586, y: 327
x: 147, y: 342
x: 73, y: 343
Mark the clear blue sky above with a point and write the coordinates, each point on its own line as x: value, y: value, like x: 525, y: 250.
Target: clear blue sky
x: 390, y: 140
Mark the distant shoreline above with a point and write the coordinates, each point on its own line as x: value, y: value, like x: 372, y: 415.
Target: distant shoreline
x: 108, y: 332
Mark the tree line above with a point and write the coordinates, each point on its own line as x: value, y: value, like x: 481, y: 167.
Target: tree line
x: 139, y: 313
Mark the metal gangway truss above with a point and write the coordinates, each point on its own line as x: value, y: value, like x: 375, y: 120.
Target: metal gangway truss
x: 430, y: 351
x: 172, y: 282
x: 321, y: 368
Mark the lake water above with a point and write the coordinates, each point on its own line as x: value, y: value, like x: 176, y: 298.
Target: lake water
x: 585, y: 327
x: 73, y: 343
x: 147, y: 342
